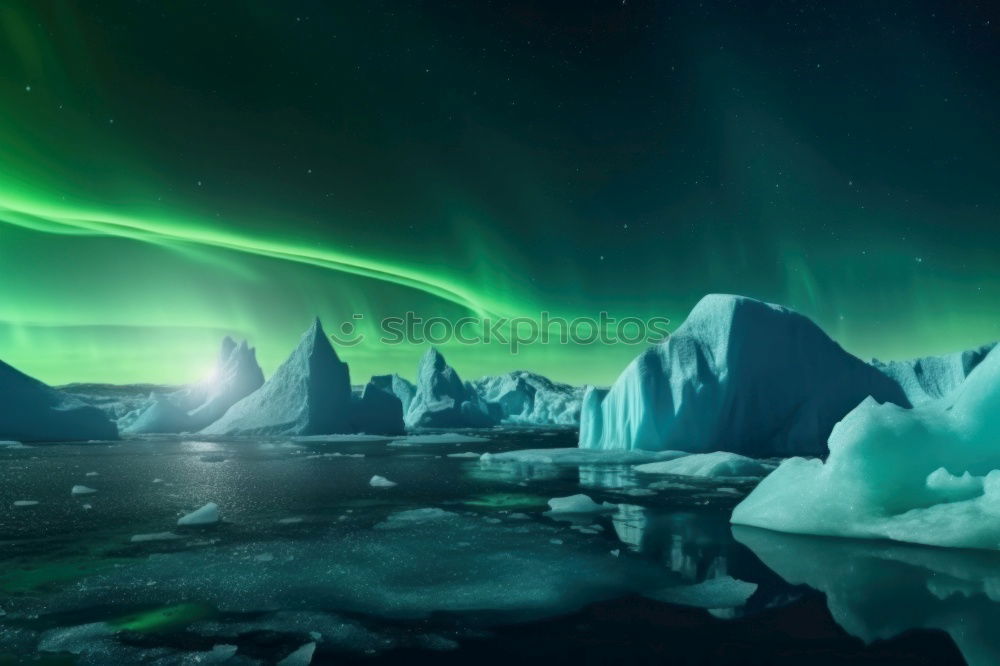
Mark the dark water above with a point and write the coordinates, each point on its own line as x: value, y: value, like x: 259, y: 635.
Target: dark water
x: 458, y: 563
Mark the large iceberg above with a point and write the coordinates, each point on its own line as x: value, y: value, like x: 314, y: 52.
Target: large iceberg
x: 927, y: 475
x: 528, y: 398
x: 933, y: 377
x: 32, y: 411
x: 443, y: 400
x: 309, y: 394
x: 740, y: 375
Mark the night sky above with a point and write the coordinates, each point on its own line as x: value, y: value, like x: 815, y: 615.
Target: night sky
x: 174, y: 171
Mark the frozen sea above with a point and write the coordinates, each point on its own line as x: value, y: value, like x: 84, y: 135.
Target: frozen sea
x: 455, y: 561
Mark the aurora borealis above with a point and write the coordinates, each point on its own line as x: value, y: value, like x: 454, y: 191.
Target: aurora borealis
x: 170, y: 173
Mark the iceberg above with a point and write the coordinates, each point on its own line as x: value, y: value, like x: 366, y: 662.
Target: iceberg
x: 189, y: 409
x: 528, y: 398
x: 309, y: 394
x: 442, y: 400
x: 379, y: 410
x: 928, y: 475
x: 35, y: 412
x: 933, y: 377
x: 398, y: 386
x: 712, y: 465
x: 739, y: 375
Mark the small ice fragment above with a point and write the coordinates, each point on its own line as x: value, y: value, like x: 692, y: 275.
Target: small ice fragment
x: 92, y: 474
x: 264, y: 557
x: 25, y: 503
x: 82, y: 490
x: 221, y: 653
x: 206, y: 515
x: 616, y: 552
x: 289, y: 521
x: 301, y: 657
x: 466, y: 454
x: 157, y: 480
x: 578, y: 504
x: 556, y: 542
x: 154, y: 536
x: 381, y: 482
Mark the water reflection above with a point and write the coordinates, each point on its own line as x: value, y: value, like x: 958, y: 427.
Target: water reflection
x: 710, y: 569
x: 878, y: 590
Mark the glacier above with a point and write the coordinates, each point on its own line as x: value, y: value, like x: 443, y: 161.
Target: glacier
x: 528, y: 398
x: 739, y: 375
x: 33, y: 412
x: 443, y: 400
x: 927, y: 475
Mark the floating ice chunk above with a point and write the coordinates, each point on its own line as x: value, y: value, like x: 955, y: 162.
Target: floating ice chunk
x: 11, y: 444
x: 25, y: 502
x: 301, y: 657
x: 74, y: 640
x: 219, y: 654
x: 206, y: 515
x: 157, y: 480
x: 721, y: 592
x: 360, y: 438
x: 154, y: 536
x: 91, y: 474
x: 465, y: 454
x: 294, y: 520
x: 577, y: 456
x: 82, y: 490
x: 716, y: 464
x: 414, y: 516
x: 578, y: 504
x: 444, y: 438
x: 381, y: 482
x: 883, y: 478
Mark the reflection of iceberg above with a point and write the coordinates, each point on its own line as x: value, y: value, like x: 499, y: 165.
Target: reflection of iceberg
x: 927, y: 475
x: 878, y: 590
